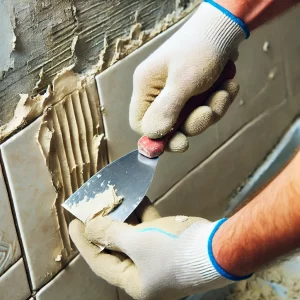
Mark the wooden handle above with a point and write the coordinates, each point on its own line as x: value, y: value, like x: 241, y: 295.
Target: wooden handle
x: 154, y: 148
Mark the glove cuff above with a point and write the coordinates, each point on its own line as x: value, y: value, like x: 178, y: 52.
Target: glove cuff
x: 219, y: 26
x: 196, y: 266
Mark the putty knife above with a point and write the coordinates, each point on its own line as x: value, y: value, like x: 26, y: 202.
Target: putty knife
x: 132, y: 174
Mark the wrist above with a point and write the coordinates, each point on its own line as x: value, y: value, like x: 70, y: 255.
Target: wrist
x: 227, y: 253
x: 195, y: 261
x: 264, y: 229
x: 194, y: 267
x: 220, y: 257
x: 246, y: 11
x: 256, y: 13
x: 220, y: 19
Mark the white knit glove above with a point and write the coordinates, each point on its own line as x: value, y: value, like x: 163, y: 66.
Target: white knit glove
x: 166, y: 258
x: 184, y: 66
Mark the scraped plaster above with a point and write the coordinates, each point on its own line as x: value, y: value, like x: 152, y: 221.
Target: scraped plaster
x: 92, y: 34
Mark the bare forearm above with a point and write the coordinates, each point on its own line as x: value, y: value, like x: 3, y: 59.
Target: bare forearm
x: 265, y: 229
x: 257, y: 12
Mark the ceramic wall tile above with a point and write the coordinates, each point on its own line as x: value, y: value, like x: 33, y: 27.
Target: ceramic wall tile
x: 14, y: 284
x: 276, y: 161
x: 206, y: 190
x: 33, y: 198
x: 77, y: 281
x: 261, y: 76
x: 10, y: 250
x: 115, y: 87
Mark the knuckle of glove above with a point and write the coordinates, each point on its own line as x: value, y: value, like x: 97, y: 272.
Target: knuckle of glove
x: 178, y: 143
x: 219, y: 103
x: 232, y: 88
x: 96, y: 230
x: 198, y: 121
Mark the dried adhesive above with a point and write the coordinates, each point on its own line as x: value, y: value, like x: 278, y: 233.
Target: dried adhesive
x: 58, y: 258
x: 181, y: 219
x: 100, y: 205
x: 31, y: 106
x: 71, y: 139
x: 280, y: 281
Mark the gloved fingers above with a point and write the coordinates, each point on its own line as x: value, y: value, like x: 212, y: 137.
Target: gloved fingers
x: 148, y: 81
x: 146, y: 211
x: 108, y: 266
x: 198, y: 121
x: 178, y: 143
x: 231, y: 87
x: 163, y: 112
x: 215, y: 108
x: 220, y: 101
x: 109, y: 233
x: 76, y: 231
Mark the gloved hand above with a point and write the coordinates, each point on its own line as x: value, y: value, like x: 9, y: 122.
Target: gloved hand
x: 166, y: 258
x: 184, y: 66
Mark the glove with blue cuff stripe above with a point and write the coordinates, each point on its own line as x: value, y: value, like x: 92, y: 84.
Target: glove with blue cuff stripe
x: 186, y: 65
x: 160, y: 258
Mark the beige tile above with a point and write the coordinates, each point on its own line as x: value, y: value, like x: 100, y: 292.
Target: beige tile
x: 115, y: 88
x: 77, y: 281
x: 10, y: 250
x: 14, y: 284
x: 257, y: 92
x: 205, y: 191
x: 33, y: 197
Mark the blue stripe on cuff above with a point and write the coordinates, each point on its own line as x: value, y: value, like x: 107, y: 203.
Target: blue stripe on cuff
x: 154, y: 229
x: 218, y: 268
x: 231, y: 16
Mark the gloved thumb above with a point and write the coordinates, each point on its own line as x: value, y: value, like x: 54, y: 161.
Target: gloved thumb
x: 109, y: 233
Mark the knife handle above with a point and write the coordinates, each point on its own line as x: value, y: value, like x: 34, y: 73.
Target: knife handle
x: 154, y: 148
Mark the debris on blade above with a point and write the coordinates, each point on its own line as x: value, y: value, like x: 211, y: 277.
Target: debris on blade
x: 99, y: 205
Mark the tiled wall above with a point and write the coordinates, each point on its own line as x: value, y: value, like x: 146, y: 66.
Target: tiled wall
x: 198, y: 182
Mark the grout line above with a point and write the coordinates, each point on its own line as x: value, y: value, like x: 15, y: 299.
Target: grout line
x: 58, y: 273
x: 278, y: 158
x: 16, y: 223
x: 220, y: 148
x: 23, y: 255
x: 118, y: 294
x: 103, y: 123
x: 10, y: 267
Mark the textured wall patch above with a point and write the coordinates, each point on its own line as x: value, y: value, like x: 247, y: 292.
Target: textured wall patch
x: 71, y: 139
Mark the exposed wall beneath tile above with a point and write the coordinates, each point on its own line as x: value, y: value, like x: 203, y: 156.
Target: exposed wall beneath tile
x: 52, y: 34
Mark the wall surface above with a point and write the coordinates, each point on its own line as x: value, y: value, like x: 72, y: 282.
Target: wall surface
x: 34, y: 245
x: 39, y: 38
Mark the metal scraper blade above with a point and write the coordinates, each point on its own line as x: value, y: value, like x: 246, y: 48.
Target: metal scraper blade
x: 131, y: 175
